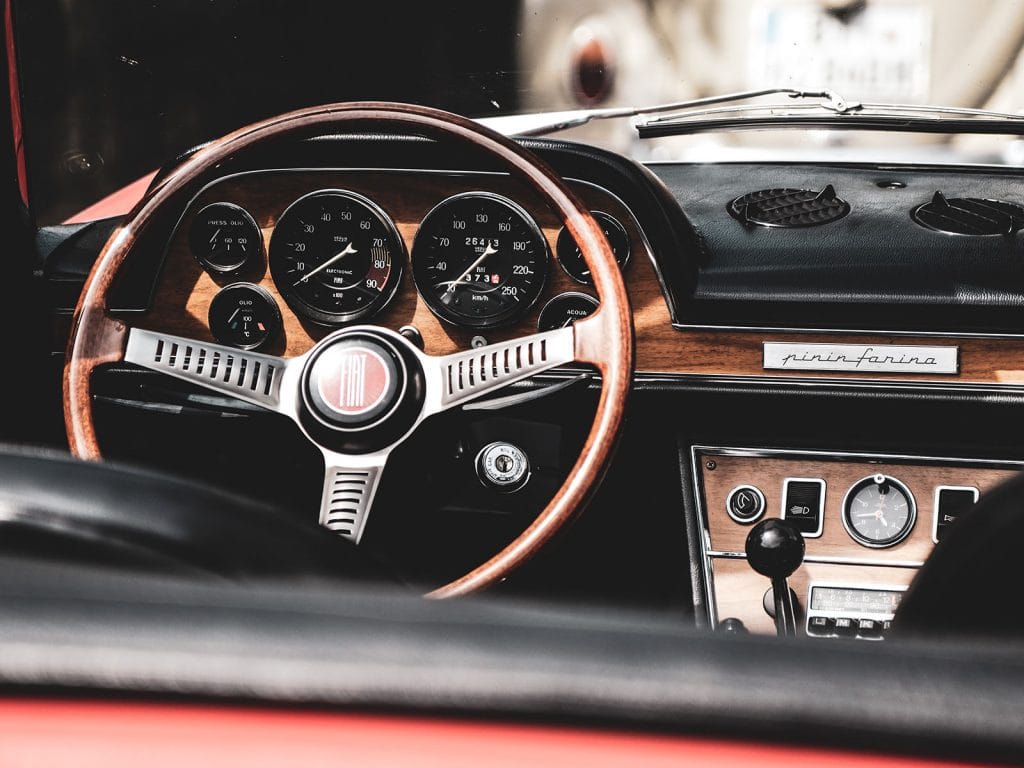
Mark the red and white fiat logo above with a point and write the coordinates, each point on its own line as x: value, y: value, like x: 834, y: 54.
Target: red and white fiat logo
x: 353, y: 380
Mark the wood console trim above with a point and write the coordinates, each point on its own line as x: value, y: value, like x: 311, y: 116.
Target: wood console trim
x: 735, y: 590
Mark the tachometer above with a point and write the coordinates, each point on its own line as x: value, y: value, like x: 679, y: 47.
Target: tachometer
x: 479, y: 260
x: 336, y: 256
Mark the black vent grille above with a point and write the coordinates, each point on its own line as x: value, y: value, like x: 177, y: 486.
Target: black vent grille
x: 789, y: 208
x: 970, y: 216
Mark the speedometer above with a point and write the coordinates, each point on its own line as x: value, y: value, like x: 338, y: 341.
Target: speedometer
x: 336, y: 256
x: 479, y: 260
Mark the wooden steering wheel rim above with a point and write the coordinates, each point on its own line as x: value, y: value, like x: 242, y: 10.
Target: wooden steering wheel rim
x: 604, y: 339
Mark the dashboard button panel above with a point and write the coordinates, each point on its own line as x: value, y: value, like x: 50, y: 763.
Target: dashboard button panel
x: 864, y: 579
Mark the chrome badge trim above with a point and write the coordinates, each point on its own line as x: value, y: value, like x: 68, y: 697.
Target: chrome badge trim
x: 873, y: 358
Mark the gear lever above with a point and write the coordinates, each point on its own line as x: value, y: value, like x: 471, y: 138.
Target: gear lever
x: 776, y: 549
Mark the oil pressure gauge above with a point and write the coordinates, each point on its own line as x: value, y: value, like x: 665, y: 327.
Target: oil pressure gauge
x: 244, y: 315
x: 224, y: 238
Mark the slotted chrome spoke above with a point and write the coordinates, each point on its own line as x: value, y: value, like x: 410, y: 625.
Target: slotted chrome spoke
x: 465, y: 376
x: 247, y: 376
x: 350, y: 484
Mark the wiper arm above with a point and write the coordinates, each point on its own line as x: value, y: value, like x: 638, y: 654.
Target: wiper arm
x: 830, y: 110
x: 541, y: 123
x: 914, y: 118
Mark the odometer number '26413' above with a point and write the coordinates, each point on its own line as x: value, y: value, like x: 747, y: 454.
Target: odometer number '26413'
x: 479, y: 260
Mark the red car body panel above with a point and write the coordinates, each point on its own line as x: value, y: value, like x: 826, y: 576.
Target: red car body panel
x: 109, y: 734
x: 116, y: 204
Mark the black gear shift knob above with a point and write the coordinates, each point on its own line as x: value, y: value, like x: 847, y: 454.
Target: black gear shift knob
x: 775, y: 548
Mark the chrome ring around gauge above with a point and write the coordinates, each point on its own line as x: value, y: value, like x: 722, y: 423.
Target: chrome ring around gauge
x: 879, y: 511
x: 479, y: 260
x: 225, y: 238
x: 565, y: 309
x: 335, y: 256
x: 571, y: 259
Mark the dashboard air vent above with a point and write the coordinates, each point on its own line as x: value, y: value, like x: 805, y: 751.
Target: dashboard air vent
x: 969, y: 216
x: 789, y: 208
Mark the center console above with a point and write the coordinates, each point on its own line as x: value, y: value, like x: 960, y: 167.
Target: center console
x: 868, y: 521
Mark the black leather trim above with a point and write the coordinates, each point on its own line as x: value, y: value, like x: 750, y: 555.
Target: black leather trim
x: 874, y: 269
x: 57, y: 508
x: 74, y: 631
x: 971, y: 582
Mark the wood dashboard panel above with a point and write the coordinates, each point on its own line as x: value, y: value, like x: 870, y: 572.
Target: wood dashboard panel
x: 738, y: 590
x: 184, y: 290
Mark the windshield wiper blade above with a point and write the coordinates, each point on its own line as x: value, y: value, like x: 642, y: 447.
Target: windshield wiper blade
x: 914, y: 118
x: 541, y: 123
x: 827, y: 109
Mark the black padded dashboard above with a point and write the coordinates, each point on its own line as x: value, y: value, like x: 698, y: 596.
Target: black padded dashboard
x: 873, y: 269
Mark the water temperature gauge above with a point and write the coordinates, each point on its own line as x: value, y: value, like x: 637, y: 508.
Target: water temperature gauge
x: 244, y: 316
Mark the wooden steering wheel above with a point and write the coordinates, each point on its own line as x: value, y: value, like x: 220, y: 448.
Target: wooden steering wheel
x: 408, y: 385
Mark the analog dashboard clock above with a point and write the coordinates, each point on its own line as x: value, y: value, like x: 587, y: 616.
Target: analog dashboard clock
x: 879, y: 511
x: 479, y: 260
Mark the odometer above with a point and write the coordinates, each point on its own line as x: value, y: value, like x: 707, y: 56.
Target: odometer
x: 336, y: 256
x: 479, y: 260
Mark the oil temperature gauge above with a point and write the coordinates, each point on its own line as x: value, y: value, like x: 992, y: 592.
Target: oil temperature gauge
x: 244, y: 316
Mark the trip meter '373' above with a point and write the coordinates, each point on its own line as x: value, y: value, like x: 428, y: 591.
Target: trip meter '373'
x: 479, y: 260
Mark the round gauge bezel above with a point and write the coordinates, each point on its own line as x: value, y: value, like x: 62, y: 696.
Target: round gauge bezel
x: 398, y: 258
x: 600, y: 217
x: 260, y: 291
x: 219, y: 270
x: 520, y: 308
x: 561, y: 297
x: 892, y: 540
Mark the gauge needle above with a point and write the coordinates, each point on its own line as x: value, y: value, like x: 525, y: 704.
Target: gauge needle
x: 488, y: 251
x: 214, y: 238
x: 348, y: 250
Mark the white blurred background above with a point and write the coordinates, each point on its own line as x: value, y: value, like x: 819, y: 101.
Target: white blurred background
x: 583, y: 53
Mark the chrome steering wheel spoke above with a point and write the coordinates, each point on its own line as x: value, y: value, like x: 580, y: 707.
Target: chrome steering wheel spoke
x: 249, y: 376
x: 321, y: 393
x: 456, y: 379
x: 350, y: 485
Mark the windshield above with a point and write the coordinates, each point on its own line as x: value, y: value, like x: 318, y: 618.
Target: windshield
x: 111, y: 89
